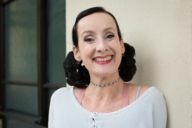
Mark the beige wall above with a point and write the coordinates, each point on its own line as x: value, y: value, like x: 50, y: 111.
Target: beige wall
x: 161, y: 32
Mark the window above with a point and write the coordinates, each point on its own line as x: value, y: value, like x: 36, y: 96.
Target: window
x: 32, y: 53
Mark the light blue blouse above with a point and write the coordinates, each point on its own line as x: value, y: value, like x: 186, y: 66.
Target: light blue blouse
x: 148, y: 111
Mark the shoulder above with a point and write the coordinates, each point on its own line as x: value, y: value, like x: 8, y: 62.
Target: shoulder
x: 151, y: 93
x: 144, y: 89
x: 157, y: 101
x: 61, y: 93
x: 136, y: 90
x: 153, y: 96
x: 158, y: 96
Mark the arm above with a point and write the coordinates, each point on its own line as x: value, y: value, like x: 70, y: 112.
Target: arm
x: 51, y: 115
x: 160, y: 112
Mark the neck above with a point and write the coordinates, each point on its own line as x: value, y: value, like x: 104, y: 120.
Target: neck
x: 105, y: 86
x: 102, y: 85
x: 95, y: 96
x: 103, y: 99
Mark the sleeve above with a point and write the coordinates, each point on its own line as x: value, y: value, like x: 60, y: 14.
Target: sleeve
x: 51, y: 114
x: 160, y: 112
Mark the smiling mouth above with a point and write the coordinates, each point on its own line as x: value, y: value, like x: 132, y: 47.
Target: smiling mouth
x: 103, y: 60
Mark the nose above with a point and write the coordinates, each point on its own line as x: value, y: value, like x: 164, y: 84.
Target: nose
x: 102, y: 46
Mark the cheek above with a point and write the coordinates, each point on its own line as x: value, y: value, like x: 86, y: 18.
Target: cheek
x: 117, y: 47
x: 118, y: 52
x: 86, y: 52
x: 121, y: 48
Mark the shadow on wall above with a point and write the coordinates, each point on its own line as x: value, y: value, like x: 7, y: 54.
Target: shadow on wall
x: 146, y: 70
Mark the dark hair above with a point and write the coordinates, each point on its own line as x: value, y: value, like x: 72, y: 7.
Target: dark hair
x: 77, y: 75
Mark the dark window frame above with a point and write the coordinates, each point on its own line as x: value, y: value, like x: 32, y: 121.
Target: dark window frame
x: 42, y: 60
x: 42, y: 81
x: 2, y: 60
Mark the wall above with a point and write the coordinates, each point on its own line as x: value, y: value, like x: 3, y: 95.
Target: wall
x: 161, y: 32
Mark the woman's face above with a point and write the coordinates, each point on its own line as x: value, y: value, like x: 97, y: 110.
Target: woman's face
x: 99, y: 46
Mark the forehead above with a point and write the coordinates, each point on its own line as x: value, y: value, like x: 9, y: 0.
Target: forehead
x: 96, y: 21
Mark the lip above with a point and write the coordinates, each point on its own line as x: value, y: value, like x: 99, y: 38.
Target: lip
x: 103, y: 59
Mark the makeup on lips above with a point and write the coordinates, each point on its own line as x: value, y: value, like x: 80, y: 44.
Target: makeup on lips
x: 103, y: 59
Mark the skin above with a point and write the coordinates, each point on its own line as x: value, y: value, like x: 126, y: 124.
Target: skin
x: 98, y: 39
x: 101, y: 50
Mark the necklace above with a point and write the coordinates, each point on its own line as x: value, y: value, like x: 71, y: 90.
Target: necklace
x: 106, y: 84
x: 124, y: 102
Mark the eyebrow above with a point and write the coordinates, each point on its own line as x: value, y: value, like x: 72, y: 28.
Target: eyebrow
x: 92, y: 32
x: 88, y: 31
x: 110, y: 28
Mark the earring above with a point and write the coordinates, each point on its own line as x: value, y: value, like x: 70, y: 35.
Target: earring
x: 77, y: 66
x: 82, y: 64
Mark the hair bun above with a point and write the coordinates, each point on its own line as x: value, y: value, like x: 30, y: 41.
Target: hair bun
x: 76, y: 75
x: 127, y: 68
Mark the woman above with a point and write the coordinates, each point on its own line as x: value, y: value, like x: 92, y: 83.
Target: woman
x: 98, y: 70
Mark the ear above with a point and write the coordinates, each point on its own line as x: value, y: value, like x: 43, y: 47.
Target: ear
x: 122, y: 47
x: 76, y: 53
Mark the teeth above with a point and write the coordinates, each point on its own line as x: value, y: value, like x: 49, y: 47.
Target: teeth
x: 103, y: 59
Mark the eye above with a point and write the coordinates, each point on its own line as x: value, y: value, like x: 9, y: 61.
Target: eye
x: 110, y: 36
x: 89, y: 39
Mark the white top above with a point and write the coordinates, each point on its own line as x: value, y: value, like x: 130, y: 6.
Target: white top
x: 148, y: 111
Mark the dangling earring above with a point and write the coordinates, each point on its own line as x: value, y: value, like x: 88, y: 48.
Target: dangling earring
x: 77, y: 70
x: 82, y: 64
x: 77, y: 67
